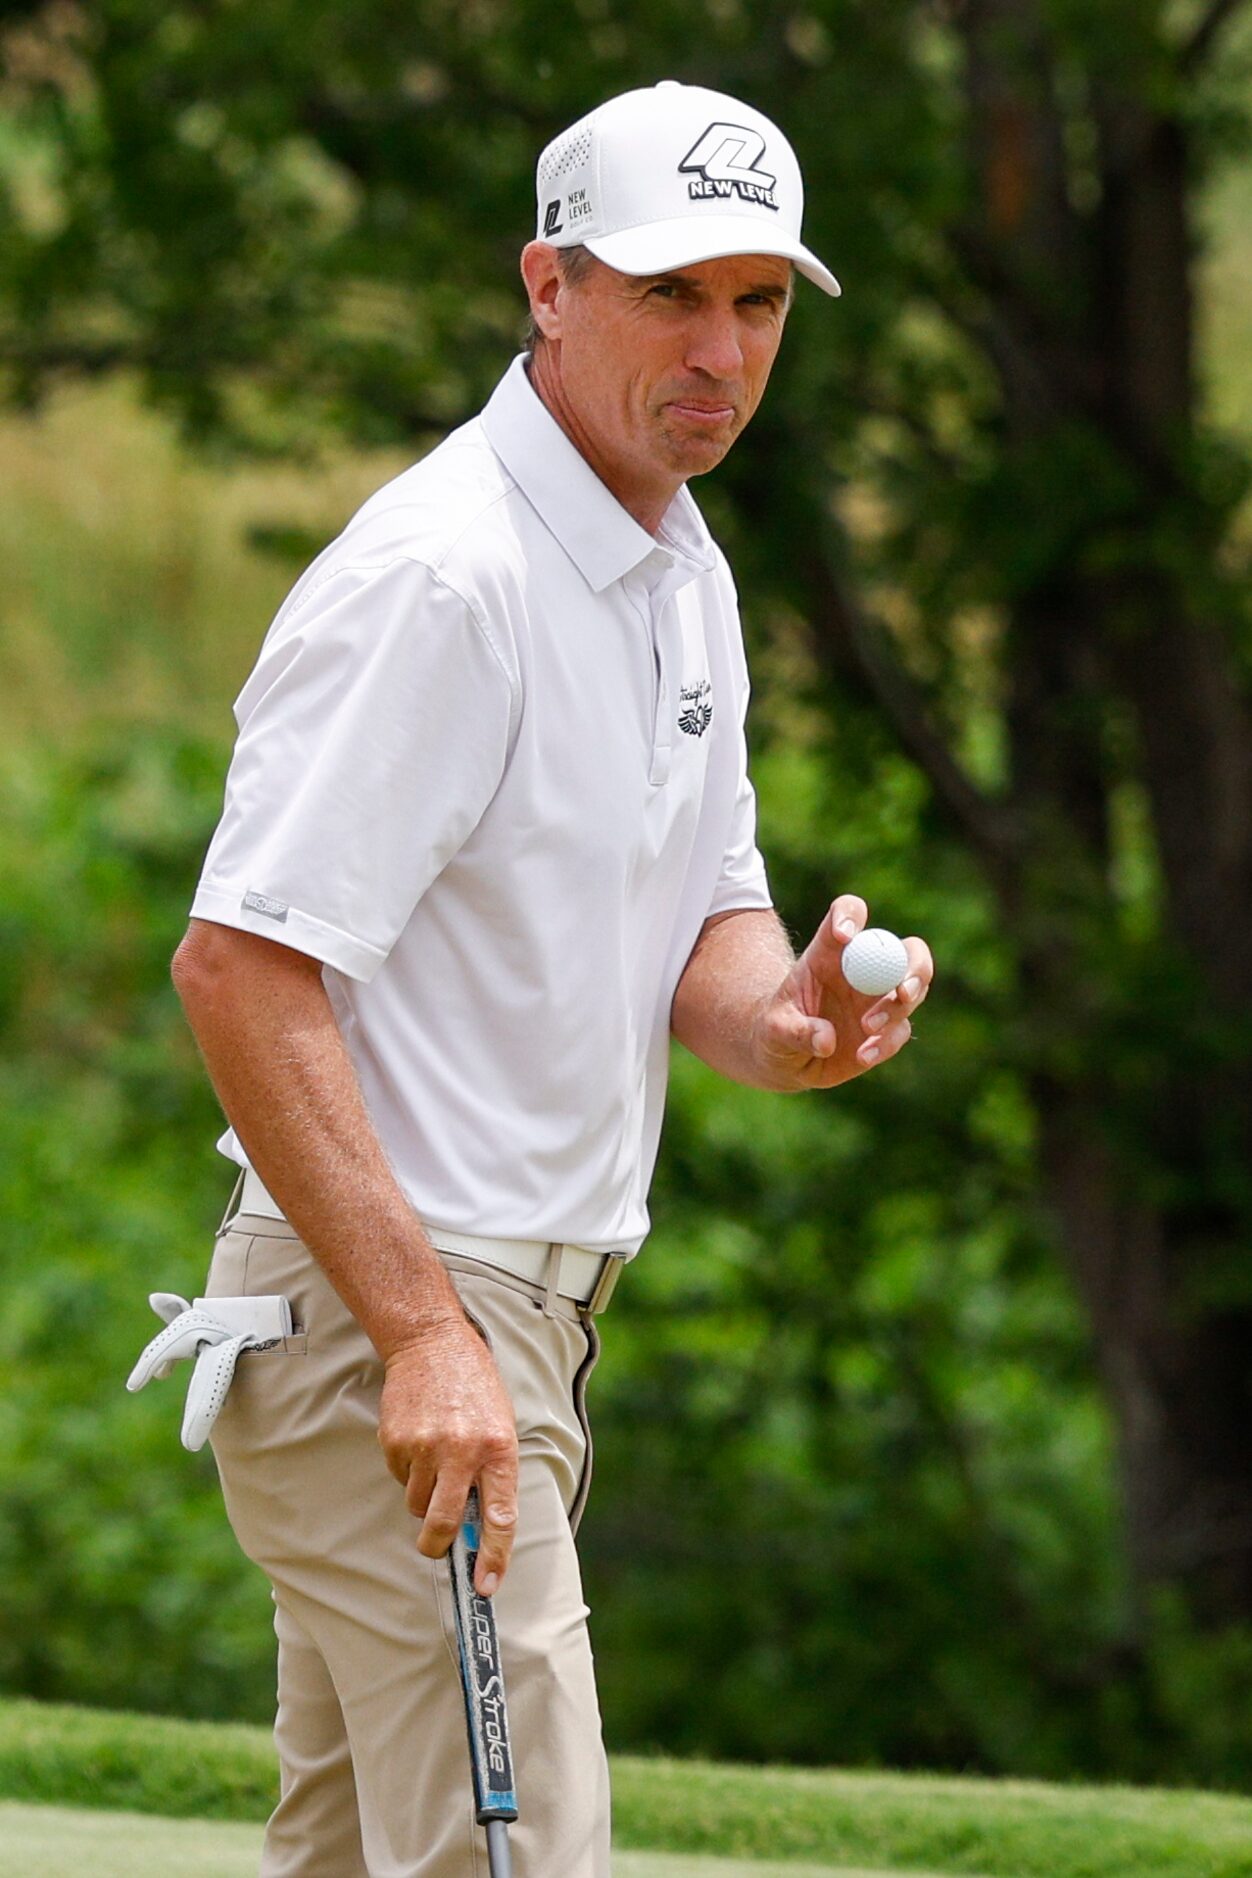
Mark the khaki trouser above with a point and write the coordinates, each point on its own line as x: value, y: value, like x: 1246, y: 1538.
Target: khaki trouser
x: 371, y: 1726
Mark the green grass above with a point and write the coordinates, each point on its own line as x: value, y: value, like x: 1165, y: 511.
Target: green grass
x: 64, y: 1842
x: 876, y: 1822
x: 61, y: 1841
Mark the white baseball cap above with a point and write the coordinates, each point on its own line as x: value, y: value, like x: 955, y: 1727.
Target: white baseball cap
x: 660, y: 178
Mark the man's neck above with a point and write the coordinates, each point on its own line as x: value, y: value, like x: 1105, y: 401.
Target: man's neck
x: 646, y: 505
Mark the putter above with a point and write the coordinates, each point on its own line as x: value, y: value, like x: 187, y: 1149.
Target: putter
x: 491, y: 1758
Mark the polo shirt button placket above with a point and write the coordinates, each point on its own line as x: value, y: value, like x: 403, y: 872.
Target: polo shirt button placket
x: 643, y: 596
x: 662, y: 746
x: 667, y: 648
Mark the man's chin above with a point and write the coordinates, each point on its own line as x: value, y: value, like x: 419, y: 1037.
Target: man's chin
x: 693, y: 454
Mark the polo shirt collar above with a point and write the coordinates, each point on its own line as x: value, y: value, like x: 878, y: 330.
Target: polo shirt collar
x: 602, y: 539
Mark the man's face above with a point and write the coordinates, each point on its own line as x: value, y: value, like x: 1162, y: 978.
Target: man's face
x: 660, y: 373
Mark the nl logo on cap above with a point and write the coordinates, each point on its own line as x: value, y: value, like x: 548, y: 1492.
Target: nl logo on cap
x: 577, y: 208
x: 723, y: 163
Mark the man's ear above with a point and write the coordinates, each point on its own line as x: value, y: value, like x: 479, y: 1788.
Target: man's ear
x: 541, y: 271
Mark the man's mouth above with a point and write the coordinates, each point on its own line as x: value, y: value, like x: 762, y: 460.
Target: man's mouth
x: 702, y: 410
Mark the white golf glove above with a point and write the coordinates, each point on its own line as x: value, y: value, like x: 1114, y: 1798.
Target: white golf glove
x: 197, y: 1330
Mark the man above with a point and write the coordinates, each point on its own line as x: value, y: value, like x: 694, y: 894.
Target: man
x: 488, y: 840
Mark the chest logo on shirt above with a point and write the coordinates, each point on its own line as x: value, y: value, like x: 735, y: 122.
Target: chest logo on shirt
x: 697, y: 708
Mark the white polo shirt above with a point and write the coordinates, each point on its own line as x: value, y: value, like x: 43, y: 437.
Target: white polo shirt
x: 491, y: 772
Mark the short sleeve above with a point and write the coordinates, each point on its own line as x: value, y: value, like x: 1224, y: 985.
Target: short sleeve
x: 373, y: 733
x: 741, y: 881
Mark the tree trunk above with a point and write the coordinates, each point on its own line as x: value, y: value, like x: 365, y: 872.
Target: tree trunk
x: 1092, y: 318
x: 1176, y: 1371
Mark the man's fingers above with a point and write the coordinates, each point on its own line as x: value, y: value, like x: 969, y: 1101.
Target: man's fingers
x: 444, y: 1512
x: 844, y: 918
x: 442, y: 1509
x: 821, y: 1038
x: 418, y: 1484
x: 908, y: 995
x: 792, y: 1032
x: 886, y: 1043
x: 497, y: 1505
x: 445, y: 1421
x: 920, y: 974
x: 847, y: 916
x: 795, y: 1030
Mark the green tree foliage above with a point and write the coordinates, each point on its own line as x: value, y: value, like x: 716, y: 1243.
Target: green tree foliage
x: 853, y: 1465
x: 852, y: 1498
x: 791, y: 1376
x: 121, y: 1581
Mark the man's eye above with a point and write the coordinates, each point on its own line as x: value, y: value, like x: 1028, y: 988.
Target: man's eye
x: 665, y: 288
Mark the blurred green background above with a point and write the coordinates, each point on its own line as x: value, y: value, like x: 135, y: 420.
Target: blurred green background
x: 923, y: 1422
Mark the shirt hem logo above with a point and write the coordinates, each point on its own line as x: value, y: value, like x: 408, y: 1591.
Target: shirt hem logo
x: 262, y: 903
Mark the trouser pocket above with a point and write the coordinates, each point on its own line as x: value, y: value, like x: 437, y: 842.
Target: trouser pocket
x: 580, y: 1408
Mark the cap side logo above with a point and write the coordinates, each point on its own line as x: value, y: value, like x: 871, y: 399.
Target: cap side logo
x: 723, y: 163
x: 552, y: 223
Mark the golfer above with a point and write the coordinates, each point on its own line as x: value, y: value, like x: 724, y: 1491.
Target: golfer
x: 488, y: 842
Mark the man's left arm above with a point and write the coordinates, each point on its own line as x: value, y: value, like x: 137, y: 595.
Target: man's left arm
x: 749, y: 1007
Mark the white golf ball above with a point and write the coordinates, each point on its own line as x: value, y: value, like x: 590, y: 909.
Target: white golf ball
x: 875, y: 961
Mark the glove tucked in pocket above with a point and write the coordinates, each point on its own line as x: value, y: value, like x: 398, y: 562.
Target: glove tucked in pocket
x: 213, y: 1332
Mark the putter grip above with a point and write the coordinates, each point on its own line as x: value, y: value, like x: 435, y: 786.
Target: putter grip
x: 491, y: 1758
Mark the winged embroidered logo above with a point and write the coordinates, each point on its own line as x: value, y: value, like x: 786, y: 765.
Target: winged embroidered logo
x: 697, y: 708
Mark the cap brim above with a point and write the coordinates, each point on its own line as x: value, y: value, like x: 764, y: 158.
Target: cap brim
x: 656, y: 247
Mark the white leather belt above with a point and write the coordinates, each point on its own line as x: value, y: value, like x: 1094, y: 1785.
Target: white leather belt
x: 568, y: 1271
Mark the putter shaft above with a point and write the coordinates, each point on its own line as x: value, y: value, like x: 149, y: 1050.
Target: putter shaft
x: 499, y: 1861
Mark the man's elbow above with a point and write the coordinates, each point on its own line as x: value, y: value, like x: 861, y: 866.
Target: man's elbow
x: 221, y: 965
x: 197, y: 966
x: 215, y: 962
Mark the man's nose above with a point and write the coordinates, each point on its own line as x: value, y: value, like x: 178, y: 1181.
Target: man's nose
x: 713, y: 346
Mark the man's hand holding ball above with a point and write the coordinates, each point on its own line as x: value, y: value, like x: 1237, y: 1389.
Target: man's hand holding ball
x: 818, y: 1030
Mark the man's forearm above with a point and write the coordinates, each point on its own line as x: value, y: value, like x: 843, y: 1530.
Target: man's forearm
x: 735, y: 969
x: 277, y: 1060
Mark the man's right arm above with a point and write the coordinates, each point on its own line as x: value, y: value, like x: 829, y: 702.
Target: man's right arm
x: 276, y: 1057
